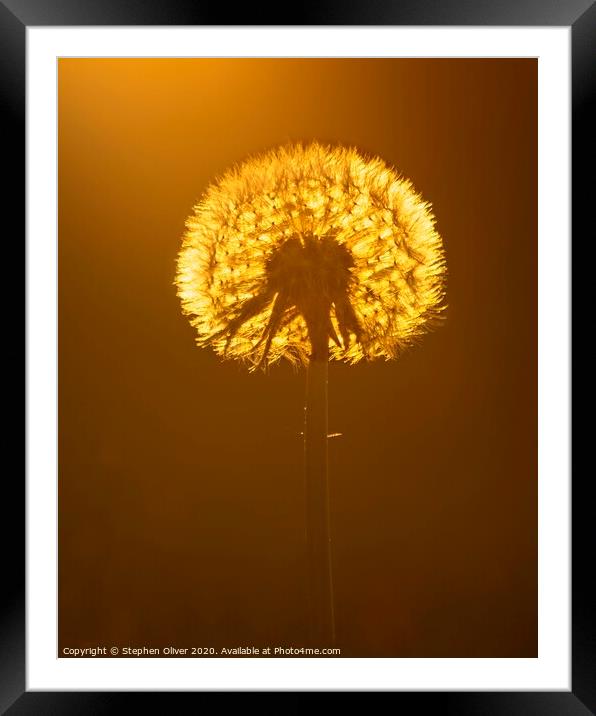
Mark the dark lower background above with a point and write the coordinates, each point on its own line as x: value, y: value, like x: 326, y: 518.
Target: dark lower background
x: 180, y: 478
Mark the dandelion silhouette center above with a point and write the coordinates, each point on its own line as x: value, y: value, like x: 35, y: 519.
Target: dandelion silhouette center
x: 313, y: 275
x: 306, y: 245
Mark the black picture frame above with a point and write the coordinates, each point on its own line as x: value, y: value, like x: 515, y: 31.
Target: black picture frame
x: 15, y: 17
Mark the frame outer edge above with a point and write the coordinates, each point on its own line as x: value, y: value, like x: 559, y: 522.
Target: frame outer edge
x: 583, y: 630
x: 312, y: 12
x: 12, y: 594
x: 12, y: 619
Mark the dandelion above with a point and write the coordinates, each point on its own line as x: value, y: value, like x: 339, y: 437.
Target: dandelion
x: 312, y: 253
x: 305, y: 241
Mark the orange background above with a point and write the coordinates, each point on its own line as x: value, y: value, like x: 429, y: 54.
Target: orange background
x: 180, y: 477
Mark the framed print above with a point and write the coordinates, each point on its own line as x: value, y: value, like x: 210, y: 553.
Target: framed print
x: 298, y: 356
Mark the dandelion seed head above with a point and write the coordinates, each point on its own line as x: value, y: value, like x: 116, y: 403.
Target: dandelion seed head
x: 306, y: 244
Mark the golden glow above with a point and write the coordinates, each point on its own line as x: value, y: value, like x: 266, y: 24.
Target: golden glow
x: 359, y: 245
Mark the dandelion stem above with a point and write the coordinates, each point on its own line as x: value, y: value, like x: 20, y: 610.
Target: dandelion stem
x: 320, y: 584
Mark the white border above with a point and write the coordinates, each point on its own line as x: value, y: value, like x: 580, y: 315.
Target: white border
x: 551, y: 670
